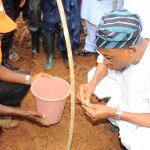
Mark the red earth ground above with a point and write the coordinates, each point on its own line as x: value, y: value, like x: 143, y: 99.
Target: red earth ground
x: 30, y: 136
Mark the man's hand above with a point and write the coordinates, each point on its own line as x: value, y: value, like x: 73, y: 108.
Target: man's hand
x: 40, y: 75
x: 98, y: 111
x: 35, y: 116
x: 85, y: 92
x: 28, y: 114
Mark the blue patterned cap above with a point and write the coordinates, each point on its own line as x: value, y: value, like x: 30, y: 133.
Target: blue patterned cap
x: 119, y: 29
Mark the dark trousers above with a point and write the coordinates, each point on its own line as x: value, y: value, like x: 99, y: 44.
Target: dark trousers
x: 34, y: 15
x: 12, y: 10
x: 11, y: 94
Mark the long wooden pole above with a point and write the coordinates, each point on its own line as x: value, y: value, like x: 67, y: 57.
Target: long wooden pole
x: 71, y: 67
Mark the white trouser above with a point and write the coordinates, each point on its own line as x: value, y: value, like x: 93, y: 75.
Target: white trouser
x: 90, y: 40
x: 132, y: 136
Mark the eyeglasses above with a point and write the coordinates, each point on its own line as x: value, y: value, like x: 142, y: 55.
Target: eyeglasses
x: 109, y: 60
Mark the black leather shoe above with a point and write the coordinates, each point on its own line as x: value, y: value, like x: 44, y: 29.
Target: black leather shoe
x: 7, y: 65
x: 83, y: 52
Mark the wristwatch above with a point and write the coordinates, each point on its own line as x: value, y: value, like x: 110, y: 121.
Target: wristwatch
x: 118, y: 114
x: 27, y: 79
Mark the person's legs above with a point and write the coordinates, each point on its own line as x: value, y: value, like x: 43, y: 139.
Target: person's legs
x: 14, y: 14
x: 137, y: 139
x: 140, y: 140
x: 61, y: 43
x: 35, y: 41
x: 49, y: 41
x: 5, y: 55
x: 7, y: 41
x: 25, y: 11
x: 72, y: 11
x: 13, y: 55
x: 74, y: 24
x: 34, y: 24
x: 90, y: 40
x: 11, y: 94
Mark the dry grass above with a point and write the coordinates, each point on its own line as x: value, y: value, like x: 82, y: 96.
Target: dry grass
x: 22, y: 29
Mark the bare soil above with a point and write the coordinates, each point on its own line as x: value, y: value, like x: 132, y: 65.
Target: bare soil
x: 30, y: 136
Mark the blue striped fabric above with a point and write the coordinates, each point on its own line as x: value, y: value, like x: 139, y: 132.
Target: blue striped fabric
x: 119, y: 29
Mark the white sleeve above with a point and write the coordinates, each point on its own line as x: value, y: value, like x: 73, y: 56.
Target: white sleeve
x: 100, y: 58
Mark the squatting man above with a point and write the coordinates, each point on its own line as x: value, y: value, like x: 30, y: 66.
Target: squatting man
x: 123, y: 74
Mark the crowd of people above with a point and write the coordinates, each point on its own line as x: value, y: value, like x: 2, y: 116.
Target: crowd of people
x: 116, y: 30
x: 44, y: 21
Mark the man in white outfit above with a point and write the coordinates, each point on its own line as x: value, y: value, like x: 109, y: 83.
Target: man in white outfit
x: 123, y: 74
x: 91, y: 11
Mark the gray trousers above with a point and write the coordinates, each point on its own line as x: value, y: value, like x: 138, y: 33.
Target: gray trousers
x: 34, y: 15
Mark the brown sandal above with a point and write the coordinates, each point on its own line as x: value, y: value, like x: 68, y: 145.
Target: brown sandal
x: 7, y: 122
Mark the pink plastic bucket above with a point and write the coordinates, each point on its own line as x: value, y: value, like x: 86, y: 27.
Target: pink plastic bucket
x: 50, y: 97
